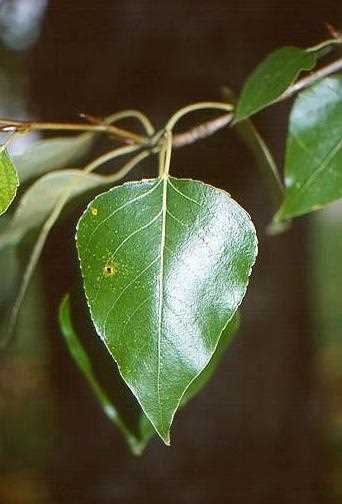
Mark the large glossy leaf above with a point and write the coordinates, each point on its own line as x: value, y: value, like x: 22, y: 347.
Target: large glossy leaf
x: 271, y: 78
x: 40, y: 199
x: 52, y: 154
x: 8, y: 180
x: 313, y: 166
x: 84, y: 362
x: 166, y: 264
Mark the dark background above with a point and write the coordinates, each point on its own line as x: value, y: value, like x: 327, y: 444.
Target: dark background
x: 253, y: 435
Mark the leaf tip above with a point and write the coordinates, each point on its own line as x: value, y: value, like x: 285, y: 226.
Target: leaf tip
x: 278, y: 225
x: 164, y: 434
x: 166, y: 439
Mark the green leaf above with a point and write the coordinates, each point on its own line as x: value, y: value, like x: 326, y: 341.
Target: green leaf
x: 272, y: 78
x: 166, y: 264
x: 83, y: 361
x: 52, y: 154
x: 41, y: 198
x: 8, y: 180
x: 313, y: 165
x: 81, y: 358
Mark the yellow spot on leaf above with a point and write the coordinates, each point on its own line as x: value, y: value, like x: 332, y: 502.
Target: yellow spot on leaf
x: 93, y: 211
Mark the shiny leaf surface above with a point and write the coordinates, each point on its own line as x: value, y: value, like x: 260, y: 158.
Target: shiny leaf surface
x: 8, y: 181
x: 166, y: 264
x: 145, y: 427
x: 271, y: 78
x: 313, y: 166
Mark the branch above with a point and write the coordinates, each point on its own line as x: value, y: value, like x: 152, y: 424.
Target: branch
x: 188, y: 137
x: 201, y: 131
x: 208, y: 128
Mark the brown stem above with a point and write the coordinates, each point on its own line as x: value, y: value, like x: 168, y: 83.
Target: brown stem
x: 201, y: 131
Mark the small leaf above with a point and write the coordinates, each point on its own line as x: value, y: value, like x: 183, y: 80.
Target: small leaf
x: 166, y: 264
x: 40, y: 199
x: 271, y: 79
x: 313, y: 165
x: 82, y: 360
x: 52, y: 154
x: 8, y: 180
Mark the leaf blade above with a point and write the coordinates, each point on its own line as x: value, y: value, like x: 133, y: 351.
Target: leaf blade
x: 313, y: 177
x: 9, y: 181
x: 155, y: 274
x: 271, y: 79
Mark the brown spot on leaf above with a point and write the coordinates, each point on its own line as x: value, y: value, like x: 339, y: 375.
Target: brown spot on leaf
x: 110, y: 269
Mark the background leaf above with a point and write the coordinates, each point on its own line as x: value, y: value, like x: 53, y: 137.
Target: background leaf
x: 52, y: 154
x: 313, y: 166
x: 165, y: 264
x: 271, y: 78
x: 40, y: 199
x: 226, y: 337
x: 8, y: 181
x: 81, y: 358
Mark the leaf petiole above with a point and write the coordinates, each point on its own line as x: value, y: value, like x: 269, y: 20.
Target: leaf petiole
x: 194, y: 107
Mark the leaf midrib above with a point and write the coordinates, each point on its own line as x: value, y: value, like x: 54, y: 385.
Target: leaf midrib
x: 164, y: 211
x: 161, y: 291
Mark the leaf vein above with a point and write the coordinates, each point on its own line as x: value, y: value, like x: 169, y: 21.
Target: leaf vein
x: 129, y: 202
x: 161, y: 290
x: 184, y: 195
x: 136, y: 232
x: 175, y: 218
